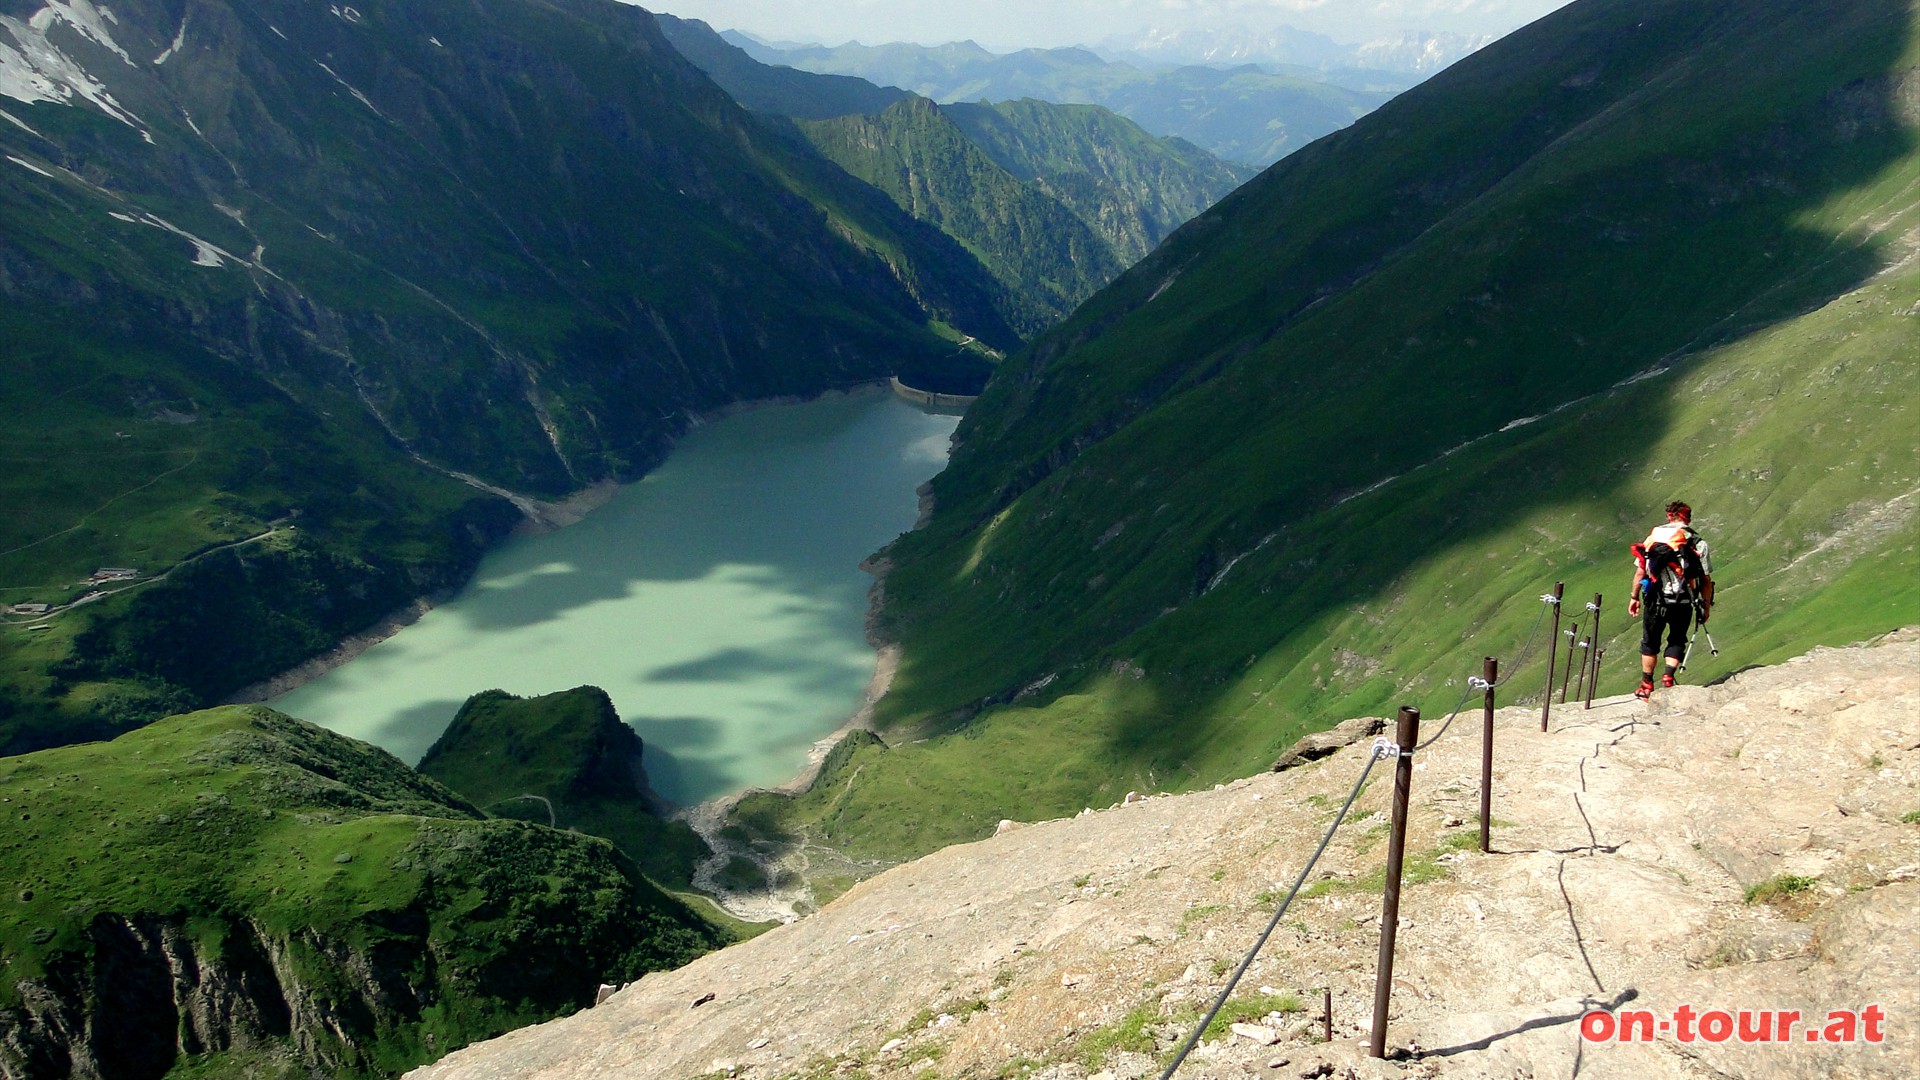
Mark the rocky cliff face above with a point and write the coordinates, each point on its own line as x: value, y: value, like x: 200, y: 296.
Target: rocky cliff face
x: 1750, y: 845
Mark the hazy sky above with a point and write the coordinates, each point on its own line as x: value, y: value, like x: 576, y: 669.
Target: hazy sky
x: 1021, y: 23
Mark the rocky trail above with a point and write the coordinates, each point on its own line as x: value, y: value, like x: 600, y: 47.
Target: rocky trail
x: 1748, y: 846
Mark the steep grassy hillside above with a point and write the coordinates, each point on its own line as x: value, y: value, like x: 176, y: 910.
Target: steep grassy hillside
x: 246, y: 893
x: 563, y: 759
x: 327, y: 284
x: 1322, y: 450
x: 1131, y: 187
x: 1043, y: 252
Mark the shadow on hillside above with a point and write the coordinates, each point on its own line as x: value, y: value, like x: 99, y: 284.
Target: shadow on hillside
x: 1572, y: 279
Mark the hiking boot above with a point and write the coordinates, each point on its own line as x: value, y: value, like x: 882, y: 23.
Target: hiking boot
x: 1667, y: 679
x: 1646, y: 689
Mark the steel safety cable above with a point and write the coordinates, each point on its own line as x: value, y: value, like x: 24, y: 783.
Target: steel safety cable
x: 1373, y: 755
x: 1526, y: 650
x: 1475, y: 683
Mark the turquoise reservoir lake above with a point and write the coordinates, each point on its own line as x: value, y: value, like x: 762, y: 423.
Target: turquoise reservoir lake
x: 719, y: 600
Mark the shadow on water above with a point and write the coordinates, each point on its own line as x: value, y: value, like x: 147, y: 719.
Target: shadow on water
x: 409, y: 733
x: 730, y: 501
x: 679, y: 760
x: 718, y: 601
x: 729, y: 665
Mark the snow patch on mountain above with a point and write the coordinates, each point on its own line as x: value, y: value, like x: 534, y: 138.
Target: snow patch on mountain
x: 179, y: 39
x: 34, y: 69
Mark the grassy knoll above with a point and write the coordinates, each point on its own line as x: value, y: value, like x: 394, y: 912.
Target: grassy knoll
x: 334, y: 907
x: 569, y: 755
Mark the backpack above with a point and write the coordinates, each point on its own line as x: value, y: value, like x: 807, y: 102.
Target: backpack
x: 1669, y: 573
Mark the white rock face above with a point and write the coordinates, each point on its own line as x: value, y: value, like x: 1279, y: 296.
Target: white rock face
x: 1637, y: 832
x: 34, y: 68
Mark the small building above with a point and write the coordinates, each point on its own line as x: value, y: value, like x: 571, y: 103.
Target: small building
x: 31, y: 609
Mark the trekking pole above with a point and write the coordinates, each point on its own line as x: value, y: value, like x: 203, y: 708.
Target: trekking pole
x: 1553, y: 650
x: 1700, y: 624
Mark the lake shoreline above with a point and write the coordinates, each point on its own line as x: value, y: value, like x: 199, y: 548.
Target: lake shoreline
x: 538, y: 517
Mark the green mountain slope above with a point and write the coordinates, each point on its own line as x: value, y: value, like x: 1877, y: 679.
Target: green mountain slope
x: 1131, y: 187
x: 325, y: 285
x: 1043, y: 252
x: 769, y: 88
x: 1243, y: 114
x: 1320, y: 452
x: 567, y: 760
x: 249, y: 894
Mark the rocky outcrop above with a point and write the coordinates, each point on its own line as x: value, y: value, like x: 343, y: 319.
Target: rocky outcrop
x: 235, y: 886
x: 1743, y: 846
x: 1321, y: 744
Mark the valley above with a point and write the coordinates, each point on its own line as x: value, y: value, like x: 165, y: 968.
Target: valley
x: 315, y: 321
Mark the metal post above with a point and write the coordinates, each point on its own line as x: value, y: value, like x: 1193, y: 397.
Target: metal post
x: 1326, y: 1013
x: 1573, y: 642
x: 1407, y: 737
x: 1594, y: 653
x: 1594, y: 685
x: 1586, y: 661
x: 1553, y: 651
x: 1491, y: 671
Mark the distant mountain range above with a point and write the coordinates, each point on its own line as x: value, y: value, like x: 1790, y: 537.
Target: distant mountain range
x: 1404, y: 58
x: 1243, y: 114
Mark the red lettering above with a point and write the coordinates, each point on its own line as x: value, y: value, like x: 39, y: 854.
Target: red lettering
x: 1716, y: 1026
x: 1783, y: 1022
x: 1634, y: 1020
x: 1683, y: 1023
x: 1872, y: 1015
x: 1597, y: 1026
x: 1755, y: 1026
x: 1842, y: 1026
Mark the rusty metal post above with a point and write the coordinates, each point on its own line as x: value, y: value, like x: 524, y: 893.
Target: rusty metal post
x: 1593, y: 652
x: 1573, y: 642
x: 1553, y: 651
x: 1406, y: 738
x: 1586, y: 661
x: 1490, y: 675
x: 1326, y: 1013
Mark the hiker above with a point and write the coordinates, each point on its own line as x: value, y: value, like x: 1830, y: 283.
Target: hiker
x: 1673, y: 582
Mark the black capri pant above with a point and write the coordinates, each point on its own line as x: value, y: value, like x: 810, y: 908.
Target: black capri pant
x: 1670, y: 619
